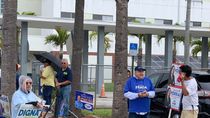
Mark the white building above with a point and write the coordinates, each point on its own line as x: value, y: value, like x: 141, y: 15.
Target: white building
x: 156, y: 12
x: 160, y: 12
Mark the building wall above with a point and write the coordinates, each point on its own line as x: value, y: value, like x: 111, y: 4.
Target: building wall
x: 29, y: 6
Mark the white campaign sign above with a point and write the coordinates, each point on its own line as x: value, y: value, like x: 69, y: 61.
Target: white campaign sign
x: 175, y: 97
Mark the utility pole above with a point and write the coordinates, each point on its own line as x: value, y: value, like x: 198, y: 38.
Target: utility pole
x: 187, y: 34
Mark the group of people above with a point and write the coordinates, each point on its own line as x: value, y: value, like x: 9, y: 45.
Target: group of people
x: 139, y: 90
x: 49, y: 80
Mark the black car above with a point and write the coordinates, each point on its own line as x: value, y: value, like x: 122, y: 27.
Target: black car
x: 159, y: 105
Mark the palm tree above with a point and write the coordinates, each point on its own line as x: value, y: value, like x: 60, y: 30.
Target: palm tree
x: 107, y: 40
x: 119, y: 108
x: 175, y: 40
x: 197, y: 47
x: 58, y: 39
x: 9, y: 52
x: 78, y: 40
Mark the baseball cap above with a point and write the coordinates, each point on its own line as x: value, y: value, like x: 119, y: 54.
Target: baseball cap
x: 139, y: 68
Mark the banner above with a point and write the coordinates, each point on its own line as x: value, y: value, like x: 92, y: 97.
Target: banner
x: 83, y: 101
x: 175, y: 95
x: 4, y: 106
x: 28, y: 111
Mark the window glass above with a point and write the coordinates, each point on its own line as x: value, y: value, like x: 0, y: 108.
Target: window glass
x: 163, y: 81
x: 154, y: 78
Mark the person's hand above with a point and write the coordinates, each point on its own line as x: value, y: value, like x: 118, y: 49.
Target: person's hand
x: 143, y: 94
x: 39, y: 105
x: 57, y: 84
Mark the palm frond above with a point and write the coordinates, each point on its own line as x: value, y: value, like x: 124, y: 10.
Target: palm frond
x: 53, y: 39
x: 196, y: 50
x: 179, y: 38
x: 196, y: 43
x: 93, y: 35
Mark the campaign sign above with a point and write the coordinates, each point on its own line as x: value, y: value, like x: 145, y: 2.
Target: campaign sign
x: 175, y: 94
x: 83, y: 101
x: 28, y: 111
x: 4, y: 106
x: 175, y: 74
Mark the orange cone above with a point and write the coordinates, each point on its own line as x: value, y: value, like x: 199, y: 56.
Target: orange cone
x: 102, y: 95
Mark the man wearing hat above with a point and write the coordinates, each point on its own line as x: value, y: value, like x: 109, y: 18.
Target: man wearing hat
x: 139, y: 89
x: 189, y: 91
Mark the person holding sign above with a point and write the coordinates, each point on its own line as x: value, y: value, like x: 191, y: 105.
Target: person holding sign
x: 189, y: 91
x: 24, y: 95
x: 139, y: 89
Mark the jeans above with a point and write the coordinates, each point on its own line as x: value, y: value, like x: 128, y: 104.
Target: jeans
x: 62, y: 101
x: 134, y: 115
x: 47, y: 94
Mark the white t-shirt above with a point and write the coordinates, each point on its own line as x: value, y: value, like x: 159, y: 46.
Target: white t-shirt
x: 192, y: 98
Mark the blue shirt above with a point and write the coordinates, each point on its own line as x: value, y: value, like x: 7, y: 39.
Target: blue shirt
x: 64, y: 75
x: 136, y: 86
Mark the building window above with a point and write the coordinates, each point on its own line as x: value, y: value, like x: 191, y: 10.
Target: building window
x: 131, y: 19
x: 163, y: 22
x: 159, y: 21
x: 196, y: 24
x: 102, y: 17
x: 67, y: 15
x: 2, y: 6
x: 136, y: 20
x: 97, y: 17
x: 167, y: 22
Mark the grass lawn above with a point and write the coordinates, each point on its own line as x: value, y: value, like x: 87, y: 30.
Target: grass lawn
x: 101, y: 113
x: 108, y: 87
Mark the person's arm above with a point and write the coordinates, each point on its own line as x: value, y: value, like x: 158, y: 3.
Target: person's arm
x: 127, y: 92
x: 184, y: 89
x: 131, y: 95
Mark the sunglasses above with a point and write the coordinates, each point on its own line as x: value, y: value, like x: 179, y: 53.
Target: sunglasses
x: 27, y: 83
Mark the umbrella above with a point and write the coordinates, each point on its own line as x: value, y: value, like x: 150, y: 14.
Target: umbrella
x: 55, y: 63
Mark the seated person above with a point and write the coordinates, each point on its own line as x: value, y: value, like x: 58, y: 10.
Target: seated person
x: 24, y: 95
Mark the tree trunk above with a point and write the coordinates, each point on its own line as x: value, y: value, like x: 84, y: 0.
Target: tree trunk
x: 61, y: 52
x: 174, y: 52
x: 77, y: 52
x: 139, y: 62
x: 9, y: 52
x: 119, y: 108
x: 187, y: 34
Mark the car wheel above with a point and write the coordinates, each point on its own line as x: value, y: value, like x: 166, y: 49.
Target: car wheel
x: 175, y: 116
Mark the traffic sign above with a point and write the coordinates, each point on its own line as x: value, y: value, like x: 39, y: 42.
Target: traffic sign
x: 133, y: 49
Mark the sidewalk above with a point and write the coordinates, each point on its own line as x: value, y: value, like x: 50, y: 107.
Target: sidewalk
x: 104, y: 102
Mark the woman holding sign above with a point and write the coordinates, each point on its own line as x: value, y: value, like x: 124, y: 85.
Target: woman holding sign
x: 24, y: 95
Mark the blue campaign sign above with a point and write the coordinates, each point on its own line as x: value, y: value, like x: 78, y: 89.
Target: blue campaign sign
x: 83, y: 101
x: 133, y: 49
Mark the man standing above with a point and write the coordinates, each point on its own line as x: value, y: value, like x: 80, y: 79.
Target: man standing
x: 139, y: 90
x: 190, y: 95
x: 63, y: 83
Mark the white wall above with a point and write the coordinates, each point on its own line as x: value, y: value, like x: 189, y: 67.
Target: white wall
x: 30, y: 5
